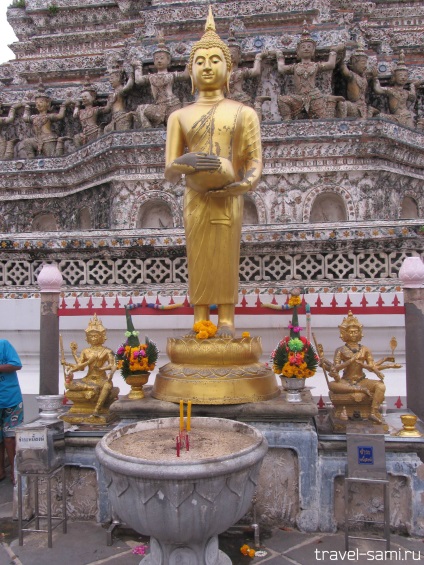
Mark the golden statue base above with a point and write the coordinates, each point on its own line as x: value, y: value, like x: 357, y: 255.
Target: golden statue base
x: 89, y: 419
x: 215, y: 371
x: 84, y: 404
x: 352, y: 406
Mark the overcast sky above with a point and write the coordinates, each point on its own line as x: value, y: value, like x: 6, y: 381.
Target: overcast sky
x: 6, y: 33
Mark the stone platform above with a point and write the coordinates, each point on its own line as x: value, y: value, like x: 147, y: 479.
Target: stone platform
x: 276, y: 409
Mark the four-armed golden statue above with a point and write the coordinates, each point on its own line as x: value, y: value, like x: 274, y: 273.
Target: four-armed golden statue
x: 353, y: 394
x: 215, y: 142
x: 93, y: 394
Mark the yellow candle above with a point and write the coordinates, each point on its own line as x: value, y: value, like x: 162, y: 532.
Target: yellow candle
x: 188, y: 415
x: 181, y: 415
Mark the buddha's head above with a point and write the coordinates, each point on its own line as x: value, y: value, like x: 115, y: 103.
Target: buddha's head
x: 210, y: 60
x: 350, y: 329
x: 95, y: 332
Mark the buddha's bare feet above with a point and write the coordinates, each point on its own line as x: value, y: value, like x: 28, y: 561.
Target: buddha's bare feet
x: 227, y: 332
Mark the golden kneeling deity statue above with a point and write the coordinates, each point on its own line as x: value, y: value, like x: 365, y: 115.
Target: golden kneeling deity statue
x: 353, y: 394
x: 93, y: 394
x: 223, y: 162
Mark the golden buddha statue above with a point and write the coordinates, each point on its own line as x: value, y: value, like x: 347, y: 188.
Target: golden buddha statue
x: 215, y: 142
x: 222, y: 163
x: 353, y: 392
x: 93, y: 394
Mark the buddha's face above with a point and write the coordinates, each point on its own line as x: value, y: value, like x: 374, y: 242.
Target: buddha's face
x: 209, y: 69
x: 161, y: 60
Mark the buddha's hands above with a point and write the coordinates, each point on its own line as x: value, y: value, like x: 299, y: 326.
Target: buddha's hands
x: 190, y: 163
x: 233, y: 189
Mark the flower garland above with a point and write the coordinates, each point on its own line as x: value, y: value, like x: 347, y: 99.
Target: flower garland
x: 133, y: 356
x: 204, y: 329
x: 294, y: 356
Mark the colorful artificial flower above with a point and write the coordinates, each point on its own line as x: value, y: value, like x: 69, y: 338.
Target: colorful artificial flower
x: 245, y: 334
x: 294, y: 356
x: 135, y: 357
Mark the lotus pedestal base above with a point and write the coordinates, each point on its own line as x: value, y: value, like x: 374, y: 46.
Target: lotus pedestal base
x: 215, y: 371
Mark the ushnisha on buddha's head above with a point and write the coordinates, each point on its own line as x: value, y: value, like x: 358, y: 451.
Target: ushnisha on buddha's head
x: 210, y: 60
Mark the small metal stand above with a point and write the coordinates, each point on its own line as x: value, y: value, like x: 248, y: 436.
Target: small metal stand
x: 367, y: 464
x: 37, y: 516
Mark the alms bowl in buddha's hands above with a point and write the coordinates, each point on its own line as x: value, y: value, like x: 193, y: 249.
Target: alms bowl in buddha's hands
x: 203, y: 181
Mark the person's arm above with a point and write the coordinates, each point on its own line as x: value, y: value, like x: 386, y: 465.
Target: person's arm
x: 10, y: 368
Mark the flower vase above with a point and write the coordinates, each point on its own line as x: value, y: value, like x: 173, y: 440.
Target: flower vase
x: 136, y: 381
x: 293, y: 388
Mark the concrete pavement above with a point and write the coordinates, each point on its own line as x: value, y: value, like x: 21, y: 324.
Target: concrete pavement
x: 85, y: 543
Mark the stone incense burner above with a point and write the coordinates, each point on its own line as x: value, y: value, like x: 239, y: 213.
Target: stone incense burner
x: 183, y: 503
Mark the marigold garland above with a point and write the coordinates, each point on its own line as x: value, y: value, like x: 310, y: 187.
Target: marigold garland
x: 204, y: 329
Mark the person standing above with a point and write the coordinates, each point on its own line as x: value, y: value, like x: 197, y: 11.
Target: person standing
x: 11, y: 406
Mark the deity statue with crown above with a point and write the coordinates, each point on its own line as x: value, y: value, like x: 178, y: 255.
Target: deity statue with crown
x: 161, y: 85
x: 93, y: 394
x: 308, y: 98
x: 45, y: 141
x: 398, y: 96
x: 354, y: 395
x: 215, y: 143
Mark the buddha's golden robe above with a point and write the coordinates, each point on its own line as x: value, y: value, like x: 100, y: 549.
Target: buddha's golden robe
x: 231, y: 131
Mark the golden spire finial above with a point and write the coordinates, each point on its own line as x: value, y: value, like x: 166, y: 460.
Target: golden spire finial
x: 210, y: 22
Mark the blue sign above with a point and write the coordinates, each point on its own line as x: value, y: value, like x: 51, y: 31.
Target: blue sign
x: 365, y: 455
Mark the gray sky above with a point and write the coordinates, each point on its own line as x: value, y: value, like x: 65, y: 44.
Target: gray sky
x: 6, y: 33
